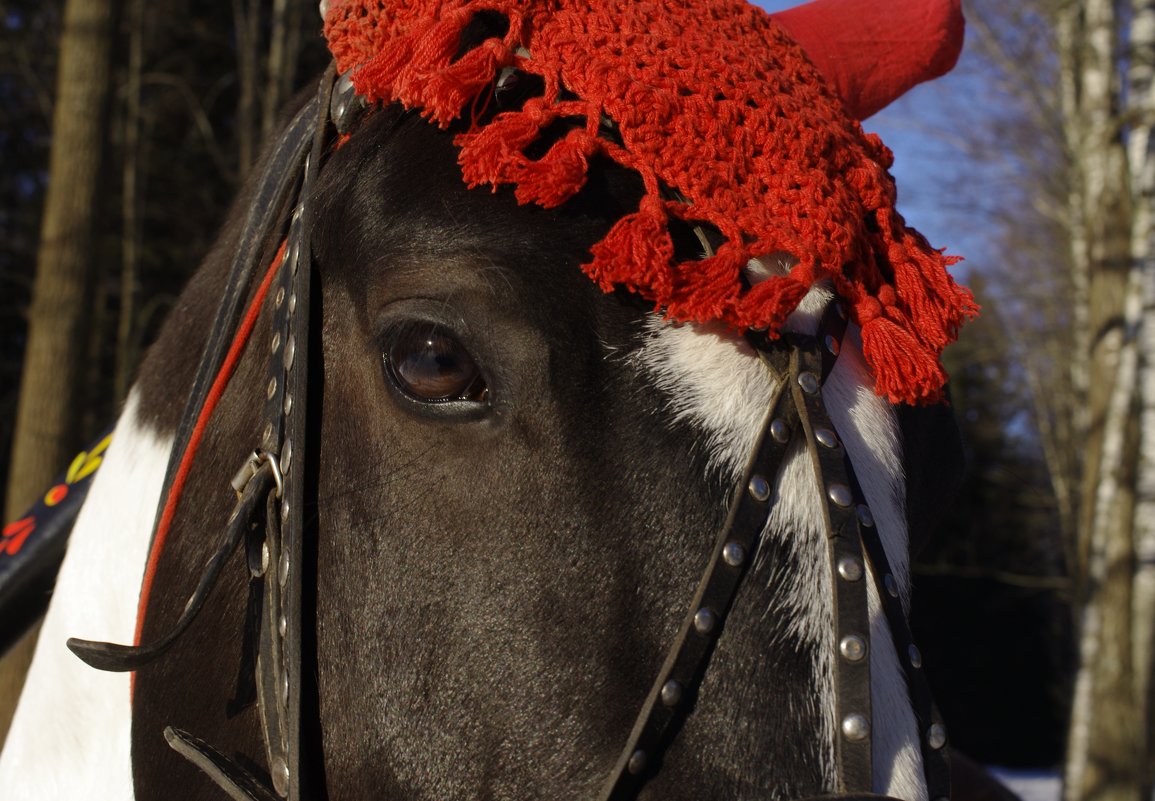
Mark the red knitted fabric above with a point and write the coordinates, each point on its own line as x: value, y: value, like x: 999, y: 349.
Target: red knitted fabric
x: 711, y: 99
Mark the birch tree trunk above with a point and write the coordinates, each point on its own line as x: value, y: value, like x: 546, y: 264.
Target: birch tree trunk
x: 1069, y: 30
x: 1104, y: 759
x: 1141, y: 154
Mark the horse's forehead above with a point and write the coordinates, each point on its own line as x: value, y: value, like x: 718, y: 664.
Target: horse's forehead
x: 397, y: 222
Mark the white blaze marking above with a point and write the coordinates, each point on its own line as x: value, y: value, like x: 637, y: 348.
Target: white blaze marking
x: 716, y: 384
x: 70, y: 738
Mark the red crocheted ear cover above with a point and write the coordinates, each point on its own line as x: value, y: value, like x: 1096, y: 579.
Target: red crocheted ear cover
x: 710, y: 98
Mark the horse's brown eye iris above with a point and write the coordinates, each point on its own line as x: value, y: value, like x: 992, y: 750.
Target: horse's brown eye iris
x: 433, y: 366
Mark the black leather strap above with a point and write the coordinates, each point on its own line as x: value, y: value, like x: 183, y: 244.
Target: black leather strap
x: 851, y: 612
x: 277, y: 181
x: 279, y: 666
x: 686, y: 662
x: 247, y: 515
x: 235, y: 780
x: 931, y: 730
x: 796, y: 413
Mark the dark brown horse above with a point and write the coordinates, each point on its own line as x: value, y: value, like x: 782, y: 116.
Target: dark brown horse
x: 515, y: 484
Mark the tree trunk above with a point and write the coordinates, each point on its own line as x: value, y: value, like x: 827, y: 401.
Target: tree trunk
x: 51, y: 392
x: 1104, y: 756
x: 245, y: 14
x: 126, y: 351
x: 1141, y: 154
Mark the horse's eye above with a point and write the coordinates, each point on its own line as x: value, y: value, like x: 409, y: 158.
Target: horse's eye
x: 432, y: 366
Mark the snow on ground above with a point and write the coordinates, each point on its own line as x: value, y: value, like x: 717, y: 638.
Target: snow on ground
x: 1030, y: 784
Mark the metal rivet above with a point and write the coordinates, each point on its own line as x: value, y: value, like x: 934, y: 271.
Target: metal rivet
x: 850, y: 568
x: 264, y: 565
x: 855, y: 727
x: 840, y: 494
x: 832, y: 345
x: 936, y: 736
x: 272, y: 390
x: 637, y: 762
x: 279, y: 298
x: 891, y: 585
x: 292, y: 303
x: 267, y: 437
x: 808, y: 382
x: 759, y: 488
x: 276, y: 341
x: 733, y: 554
x: 705, y: 620
x: 288, y: 404
x: 285, y: 687
x: 283, y: 569
x: 779, y: 430
x: 282, y: 626
x: 671, y: 693
x: 280, y: 772
x: 865, y: 516
x: 286, y: 457
x: 284, y: 510
x: 826, y: 437
x: 852, y: 647
x: 290, y: 351
x: 915, y: 656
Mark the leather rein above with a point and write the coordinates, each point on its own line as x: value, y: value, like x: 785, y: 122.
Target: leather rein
x: 271, y: 492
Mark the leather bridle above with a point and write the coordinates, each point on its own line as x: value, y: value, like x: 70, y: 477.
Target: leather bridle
x: 271, y: 491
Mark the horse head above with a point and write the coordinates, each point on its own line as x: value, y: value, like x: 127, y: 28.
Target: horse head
x: 513, y: 478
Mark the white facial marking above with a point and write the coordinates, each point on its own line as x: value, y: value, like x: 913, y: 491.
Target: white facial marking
x: 717, y: 385
x: 71, y: 734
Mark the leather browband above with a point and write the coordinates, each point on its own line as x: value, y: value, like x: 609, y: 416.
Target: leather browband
x: 271, y: 491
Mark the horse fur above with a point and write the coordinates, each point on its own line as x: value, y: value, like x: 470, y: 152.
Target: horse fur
x: 494, y: 591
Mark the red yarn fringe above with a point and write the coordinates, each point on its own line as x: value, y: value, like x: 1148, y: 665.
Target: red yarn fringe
x: 636, y: 252
x: 905, y: 370
x: 490, y: 154
x: 559, y: 174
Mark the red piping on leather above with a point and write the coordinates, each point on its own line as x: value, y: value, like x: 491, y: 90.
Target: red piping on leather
x: 218, y: 389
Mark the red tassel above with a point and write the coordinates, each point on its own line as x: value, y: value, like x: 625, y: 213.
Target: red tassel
x: 707, y: 287
x: 905, y: 371
x: 491, y: 155
x: 936, y: 305
x: 769, y: 303
x: 637, y: 251
x: 559, y: 174
x: 377, y: 79
x: 446, y: 93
